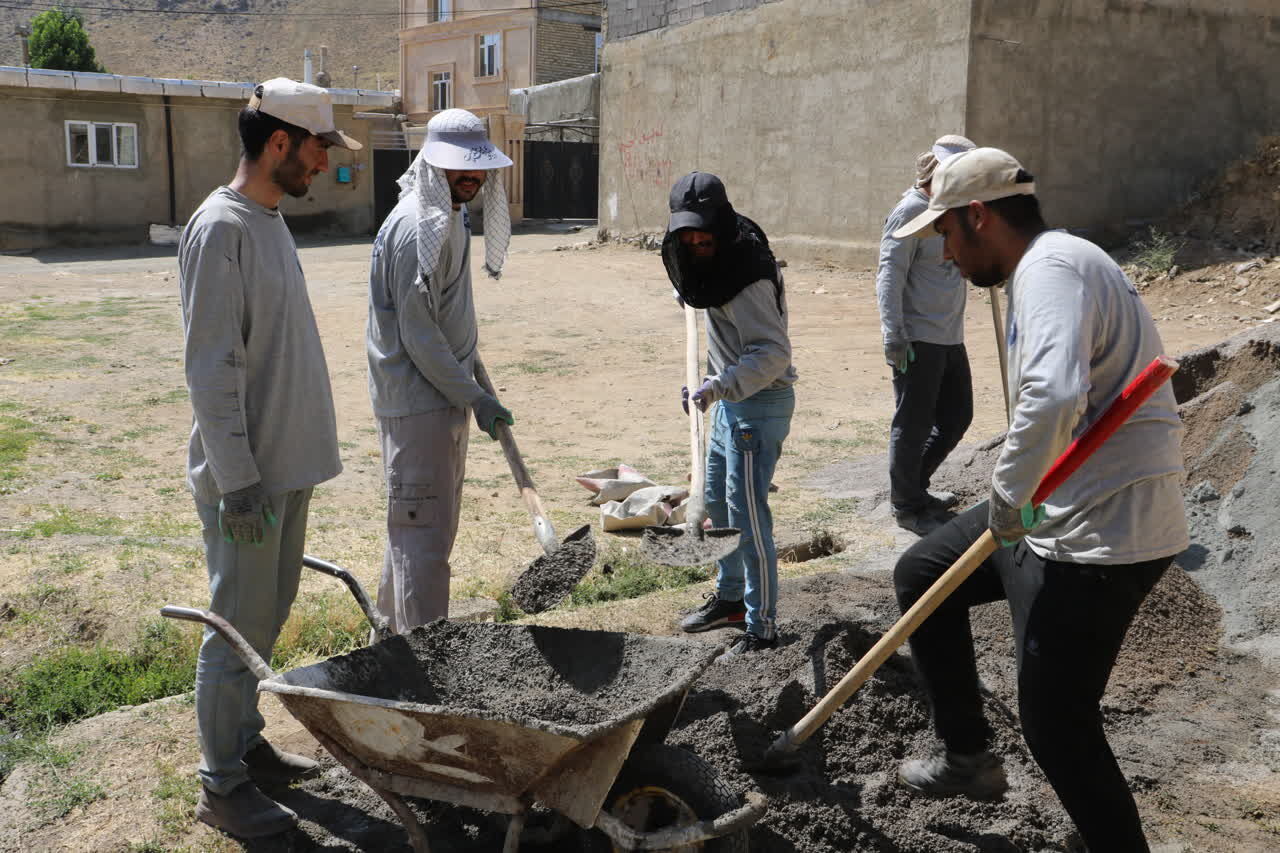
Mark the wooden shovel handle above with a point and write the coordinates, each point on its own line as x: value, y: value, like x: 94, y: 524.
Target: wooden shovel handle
x: 697, y: 511
x: 542, y: 527
x: 1142, y: 387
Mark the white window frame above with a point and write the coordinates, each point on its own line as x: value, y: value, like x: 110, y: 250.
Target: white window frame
x: 446, y: 83
x: 444, y: 11
x: 93, y: 146
x: 482, y: 44
x: 599, y: 39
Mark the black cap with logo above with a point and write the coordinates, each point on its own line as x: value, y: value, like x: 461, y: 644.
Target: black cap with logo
x: 695, y: 200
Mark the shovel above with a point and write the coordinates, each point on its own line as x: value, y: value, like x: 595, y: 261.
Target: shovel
x: 778, y: 755
x: 671, y: 546
x: 551, y: 577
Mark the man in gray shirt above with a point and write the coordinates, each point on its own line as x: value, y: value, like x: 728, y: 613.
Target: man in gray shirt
x: 921, y: 299
x: 719, y: 260
x: 263, y: 435
x: 1075, y: 570
x: 421, y: 342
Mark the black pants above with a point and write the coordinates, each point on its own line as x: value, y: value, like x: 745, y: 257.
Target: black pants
x: 934, y: 406
x: 1069, y: 620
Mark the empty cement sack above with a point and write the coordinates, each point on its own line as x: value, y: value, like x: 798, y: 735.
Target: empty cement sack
x: 613, y: 484
x: 645, y: 507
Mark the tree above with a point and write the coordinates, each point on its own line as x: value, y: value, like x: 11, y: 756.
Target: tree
x: 58, y: 40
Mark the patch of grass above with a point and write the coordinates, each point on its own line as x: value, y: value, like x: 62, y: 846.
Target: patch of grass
x: 108, y: 476
x: 72, y: 684
x: 69, y: 522
x: 69, y: 562
x: 59, y: 794
x: 16, y: 437
x: 624, y: 573
x: 178, y: 395
x: 320, y: 626
x: 1157, y: 252
x: 140, y: 432
x: 177, y: 793
x: 826, y: 514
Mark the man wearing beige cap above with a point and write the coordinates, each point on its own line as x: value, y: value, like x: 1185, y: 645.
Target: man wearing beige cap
x: 921, y: 299
x: 1075, y: 570
x: 263, y: 435
x: 422, y: 342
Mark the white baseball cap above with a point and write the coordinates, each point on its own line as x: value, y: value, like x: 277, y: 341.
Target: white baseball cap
x: 457, y: 139
x: 303, y: 105
x: 982, y: 174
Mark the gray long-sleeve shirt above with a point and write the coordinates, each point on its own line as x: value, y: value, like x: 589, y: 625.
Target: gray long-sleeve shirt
x: 921, y: 296
x: 748, y: 348
x: 421, y: 341
x: 255, y: 366
x: 1077, y: 335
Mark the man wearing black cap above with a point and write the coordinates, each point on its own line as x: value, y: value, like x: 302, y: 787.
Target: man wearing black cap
x: 720, y: 260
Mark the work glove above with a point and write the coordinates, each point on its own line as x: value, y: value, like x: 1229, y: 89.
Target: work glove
x: 898, y: 354
x: 241, y: 515
x: 1010, y: 523
x: 702, y: 398
x: 488, y: 412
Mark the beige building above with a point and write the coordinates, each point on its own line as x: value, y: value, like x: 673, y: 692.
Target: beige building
x: 471, y: 53
x: 99, y: 158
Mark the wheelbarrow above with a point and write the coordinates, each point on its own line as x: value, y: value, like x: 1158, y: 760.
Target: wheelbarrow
x: 505, y: 717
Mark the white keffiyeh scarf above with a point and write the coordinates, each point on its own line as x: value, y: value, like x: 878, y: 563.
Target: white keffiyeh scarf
x: 435, y: 205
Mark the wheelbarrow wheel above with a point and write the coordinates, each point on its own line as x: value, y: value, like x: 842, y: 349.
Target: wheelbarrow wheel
x: 662, y: 787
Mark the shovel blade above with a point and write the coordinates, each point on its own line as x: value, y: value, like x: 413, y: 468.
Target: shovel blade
x: 671, y: 546
x: 551, y: 577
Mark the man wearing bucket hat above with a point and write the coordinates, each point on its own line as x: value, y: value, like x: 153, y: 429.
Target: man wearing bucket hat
x: 1075, y: 570
x: 264, y: 433
x: 719, y: 260
x: 422, y: 345
x: 921, y: 299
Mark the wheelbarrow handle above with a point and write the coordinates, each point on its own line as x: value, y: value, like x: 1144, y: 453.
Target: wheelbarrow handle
x: 381, y: 627
x: 228, y: 632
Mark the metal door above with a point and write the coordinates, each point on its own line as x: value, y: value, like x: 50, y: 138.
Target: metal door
x: 561, y: 180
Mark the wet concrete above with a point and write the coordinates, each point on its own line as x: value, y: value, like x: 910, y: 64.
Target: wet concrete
x: 551, y: 577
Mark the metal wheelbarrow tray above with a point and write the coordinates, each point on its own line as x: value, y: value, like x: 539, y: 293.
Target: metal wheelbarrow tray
x: 497, y: 717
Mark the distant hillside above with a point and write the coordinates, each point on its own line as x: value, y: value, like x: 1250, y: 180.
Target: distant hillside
x: 232, y: 47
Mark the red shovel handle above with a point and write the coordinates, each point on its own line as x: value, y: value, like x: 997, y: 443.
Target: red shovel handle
x: 1142, y: 387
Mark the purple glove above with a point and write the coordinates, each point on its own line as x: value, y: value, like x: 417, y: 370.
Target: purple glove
x: 702, y: 398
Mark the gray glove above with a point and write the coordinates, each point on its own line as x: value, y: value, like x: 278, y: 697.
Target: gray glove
x: 488, y: 412
x: 898, y: 353
x: 241, y: 515
x: 1010, y: 523
x: 703, y: 397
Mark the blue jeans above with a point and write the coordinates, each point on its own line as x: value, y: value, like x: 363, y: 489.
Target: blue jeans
x: 746, y: 441
x: 252, y: 587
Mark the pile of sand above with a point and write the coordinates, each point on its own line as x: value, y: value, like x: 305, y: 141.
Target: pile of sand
x: 1241, y: 206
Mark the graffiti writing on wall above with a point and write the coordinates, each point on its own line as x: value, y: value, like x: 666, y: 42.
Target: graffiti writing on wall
x: 642, y: 158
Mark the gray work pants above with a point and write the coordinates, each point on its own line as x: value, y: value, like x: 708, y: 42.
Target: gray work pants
x: 252, y: 587
x: 424, y: 458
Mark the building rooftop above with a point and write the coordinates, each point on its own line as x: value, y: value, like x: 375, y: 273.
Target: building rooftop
x: 83, y: 81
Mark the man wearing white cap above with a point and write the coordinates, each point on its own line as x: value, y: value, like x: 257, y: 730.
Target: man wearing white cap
x: 422, y: 344
x: 264, y: 433
x: 1075, y: 570
x: 921, y: 299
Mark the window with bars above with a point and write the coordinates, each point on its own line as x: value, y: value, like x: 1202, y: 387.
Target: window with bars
x: 106, y: 144
x: 441, y: 90
x: 489, y: 56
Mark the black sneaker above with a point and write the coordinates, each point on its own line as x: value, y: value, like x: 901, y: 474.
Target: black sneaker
x: 943, y: 500
x: 747, y: 643
x: 921, y: 522
x: 979, y: 776
x: 715, y: 613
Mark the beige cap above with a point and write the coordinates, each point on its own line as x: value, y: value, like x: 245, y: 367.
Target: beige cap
x: 983, y: 174
x: 303, y: 105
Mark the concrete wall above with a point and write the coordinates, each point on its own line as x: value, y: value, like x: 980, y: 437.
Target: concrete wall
x: 560, y: 101
x: 812, y: 111
x: 44, y: 201
x: 452, y: 47
x: 632, y: 17
x: 1120, y: 107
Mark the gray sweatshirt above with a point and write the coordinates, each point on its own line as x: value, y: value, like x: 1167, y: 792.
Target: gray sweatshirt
x: 1077, y: 335
x: 921, y: 296
x: 421, y: 340
x: 748, y: 348
x: 255, y: 366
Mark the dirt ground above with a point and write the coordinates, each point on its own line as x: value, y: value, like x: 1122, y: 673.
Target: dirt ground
x: 585, y: 344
